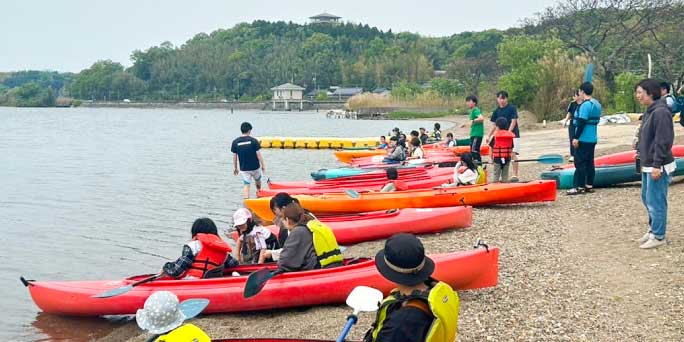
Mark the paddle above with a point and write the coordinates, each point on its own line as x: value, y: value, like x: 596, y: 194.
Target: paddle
x: 257, y: 280
x: 362, y: 298
x: 121, y: 290
x: 544, y: 159
x: 190, y: 309
x: 352, y: 193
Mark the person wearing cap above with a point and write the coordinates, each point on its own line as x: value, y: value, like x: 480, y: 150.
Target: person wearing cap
x: 204, y: 257
x: 420, y: 309
x: 396, y: 132
x: 162, y: 315
x: 254, y: 240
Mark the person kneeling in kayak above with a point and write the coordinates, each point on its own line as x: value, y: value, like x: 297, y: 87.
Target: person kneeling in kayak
x: 162, y: 314
x: 205, y: 256
x: 420, y: 309
x: 467, y: 173
x: 254, y: 239
x: 310, y: 244
x: 394, y: 184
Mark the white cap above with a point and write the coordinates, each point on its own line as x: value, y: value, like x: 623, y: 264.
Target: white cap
x: 241, y: 216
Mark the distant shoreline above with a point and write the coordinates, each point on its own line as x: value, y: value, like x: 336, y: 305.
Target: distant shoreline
x: 264, y: 105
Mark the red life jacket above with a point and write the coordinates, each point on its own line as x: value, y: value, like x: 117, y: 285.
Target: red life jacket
x: 400, y: 185
x: 212, y: 255
x: 503, y: 144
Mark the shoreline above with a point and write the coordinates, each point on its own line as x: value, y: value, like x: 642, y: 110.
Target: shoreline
x: 568, y: 270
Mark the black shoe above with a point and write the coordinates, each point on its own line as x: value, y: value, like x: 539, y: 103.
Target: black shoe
x: 589, y: 190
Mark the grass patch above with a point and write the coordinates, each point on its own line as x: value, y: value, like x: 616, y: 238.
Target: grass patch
x: 404, y: 115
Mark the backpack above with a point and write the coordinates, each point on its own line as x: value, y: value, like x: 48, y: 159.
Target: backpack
x: 677, y: 104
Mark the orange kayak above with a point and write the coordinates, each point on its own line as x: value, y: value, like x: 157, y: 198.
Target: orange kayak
x: 346, y: 156
x: 476, y: 195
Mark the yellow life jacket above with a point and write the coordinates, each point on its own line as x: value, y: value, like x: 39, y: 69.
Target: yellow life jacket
x: 185, y: 333
x: 444, y: 306
x: 325, y: 244
x: 481, y: 175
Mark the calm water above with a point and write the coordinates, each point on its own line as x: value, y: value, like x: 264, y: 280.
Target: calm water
x: 108, y: 193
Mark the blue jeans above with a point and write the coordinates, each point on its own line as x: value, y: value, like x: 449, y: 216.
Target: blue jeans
x: 654, y: 196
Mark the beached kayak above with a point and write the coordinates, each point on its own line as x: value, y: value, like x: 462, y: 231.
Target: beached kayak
x: 605, y: 175
x: 474, y: 195
x: 626, y: 157
x: 380, y: 169
x: 346, y: 156
x: 462, y: 270
x: 354, y: 228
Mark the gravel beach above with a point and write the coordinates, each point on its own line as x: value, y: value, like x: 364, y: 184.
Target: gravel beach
x: 570, y: 270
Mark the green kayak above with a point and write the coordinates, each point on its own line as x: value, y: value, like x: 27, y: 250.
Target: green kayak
x: 605, y: 175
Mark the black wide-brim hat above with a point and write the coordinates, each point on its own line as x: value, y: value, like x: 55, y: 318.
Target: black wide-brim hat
x: 403, y: 260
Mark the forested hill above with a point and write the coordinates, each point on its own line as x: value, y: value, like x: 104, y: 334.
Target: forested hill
x: 262, y: 54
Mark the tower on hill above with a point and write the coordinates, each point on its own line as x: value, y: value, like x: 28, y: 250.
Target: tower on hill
x: 325, y: 18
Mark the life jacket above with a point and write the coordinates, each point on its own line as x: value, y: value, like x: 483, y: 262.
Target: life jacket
x: 442, y: 304
x: 503, y: 146
x: 212, y: 255
x: 325, y: 244
x: 400, y: 185
x: 185, y: 333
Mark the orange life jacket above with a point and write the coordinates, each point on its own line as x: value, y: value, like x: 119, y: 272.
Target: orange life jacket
x: 212, y: 255
x: 503, y: 144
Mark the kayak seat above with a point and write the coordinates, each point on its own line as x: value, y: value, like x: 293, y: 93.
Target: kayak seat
x: 214, y: 273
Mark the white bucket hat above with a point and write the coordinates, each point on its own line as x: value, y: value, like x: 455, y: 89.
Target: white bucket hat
x: 160, y: 314
x: 241, y: 216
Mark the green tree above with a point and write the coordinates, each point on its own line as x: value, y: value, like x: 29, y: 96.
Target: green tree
x: 624, y: 92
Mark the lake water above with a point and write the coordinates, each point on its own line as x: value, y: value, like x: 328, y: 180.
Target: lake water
x: 108, y: 193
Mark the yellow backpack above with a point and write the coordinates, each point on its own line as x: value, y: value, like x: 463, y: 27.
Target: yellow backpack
x: 185, y: 333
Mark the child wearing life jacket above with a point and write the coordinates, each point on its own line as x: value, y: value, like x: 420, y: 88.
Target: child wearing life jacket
x: 310, y: 244
x: 501, y: 150
x: 162, y: 316
x: 204, y: 257
x: 420, y: 308
x: 254, y: 239
x: 394, y: 184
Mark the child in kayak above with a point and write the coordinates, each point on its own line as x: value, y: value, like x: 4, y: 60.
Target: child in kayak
x: 383, y: 142
x: 254, y: 239
x: 420, y: 306
x: 277, y: 202
x: 450, y: 142
x: 310, y: 244
x: 205, y: 256
x: 437, y: 132
x: 416, y: 149
x: 394, y: 184
x: 466, y: 172
x: 162, y: 315
x: 501, y: 150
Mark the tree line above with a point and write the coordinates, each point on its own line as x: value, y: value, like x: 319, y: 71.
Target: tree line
x: 539, y: 64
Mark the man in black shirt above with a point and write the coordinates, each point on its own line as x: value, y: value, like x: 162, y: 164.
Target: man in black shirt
x: 246, y: 150
x: 510, y: 113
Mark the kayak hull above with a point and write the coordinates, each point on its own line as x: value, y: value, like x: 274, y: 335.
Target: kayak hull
x: 475, y: 195
x: 346, y: 156
x: 606, y: 176
x: 626, y: 157
x: 355, y: 228
x: 462, y: 270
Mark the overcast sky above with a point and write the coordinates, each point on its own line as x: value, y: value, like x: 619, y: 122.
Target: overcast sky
x: 69, y: 35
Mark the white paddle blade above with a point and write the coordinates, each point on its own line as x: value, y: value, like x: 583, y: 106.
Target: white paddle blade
x: 364, y: 298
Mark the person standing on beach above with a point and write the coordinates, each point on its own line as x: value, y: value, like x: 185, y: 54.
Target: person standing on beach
x: 246, y: 151
x: 510, y: 113
x: 657, y: 163
x: 476, y: 127
x: 572, y: 108
x: 584, y: 140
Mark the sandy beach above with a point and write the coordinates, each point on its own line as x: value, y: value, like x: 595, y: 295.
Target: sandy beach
x: 570, y: 270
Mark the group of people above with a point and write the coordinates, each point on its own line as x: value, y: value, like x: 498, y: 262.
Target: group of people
x: 653, y: 143
x: 401, y: 148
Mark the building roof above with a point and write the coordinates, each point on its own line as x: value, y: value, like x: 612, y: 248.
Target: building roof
x: 325, y: 15
x: 287, y: 86
x: 380, y: 90
x: 347, y: 91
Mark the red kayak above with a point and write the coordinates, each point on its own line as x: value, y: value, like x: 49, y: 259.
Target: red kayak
x: 626, y: 157
x: 375, y: 162
x: 405, y: 174
x: 376, y: 185
x: 473, y: 269
x: 354, y: 228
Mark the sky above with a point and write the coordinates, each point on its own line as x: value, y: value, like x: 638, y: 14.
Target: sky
x: 70, y: 35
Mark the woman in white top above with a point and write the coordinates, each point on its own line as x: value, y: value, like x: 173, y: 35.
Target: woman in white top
x: 416, y: 150
x: 254, y: 239
x: 465, y: 171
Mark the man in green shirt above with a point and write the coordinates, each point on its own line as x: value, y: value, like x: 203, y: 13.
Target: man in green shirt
x: 476, y: 127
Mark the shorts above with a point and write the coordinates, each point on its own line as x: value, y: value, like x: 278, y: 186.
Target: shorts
x: 247, y: 176
x: 516, y: 145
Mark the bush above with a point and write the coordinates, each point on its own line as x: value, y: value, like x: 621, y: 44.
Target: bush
x: 321, y: 96
x: 624, y: 92
x: 404, y: 115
